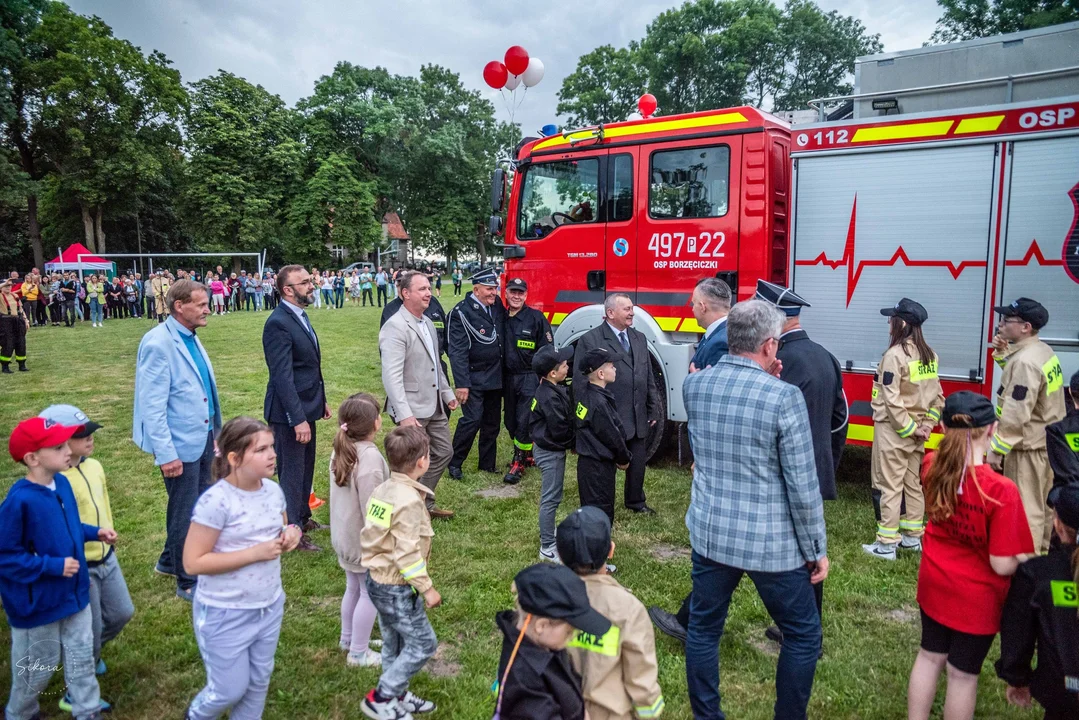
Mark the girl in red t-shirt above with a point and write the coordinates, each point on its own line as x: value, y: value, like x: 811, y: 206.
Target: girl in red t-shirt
x: 975, y: 539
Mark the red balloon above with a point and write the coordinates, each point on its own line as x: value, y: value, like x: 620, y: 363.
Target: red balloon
x: 517, y: 60
x: 495, y: 74
x: 647, y: 104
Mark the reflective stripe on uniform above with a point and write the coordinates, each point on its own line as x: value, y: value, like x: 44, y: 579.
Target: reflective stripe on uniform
x: 911, y: 525
x: 908, y: 430
x: 527, y: 447
x: 933, y: 414
x: 999, y: 446
x: 886, y: 531
x: 415, y: 570
x: 5, y: 359
x: 651, y: 711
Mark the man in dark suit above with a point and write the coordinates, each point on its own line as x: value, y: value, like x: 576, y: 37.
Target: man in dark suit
x: 295, y: 394
x: 634, y: 388
x: 711, y: 301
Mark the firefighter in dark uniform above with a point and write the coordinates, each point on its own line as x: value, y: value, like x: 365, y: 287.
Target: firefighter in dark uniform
x: 1062, y: 442
x: 433, y: 311
x: 527, y: 330
x: 1040, y: 614
x: 13, y: 326
x: 474, y: 333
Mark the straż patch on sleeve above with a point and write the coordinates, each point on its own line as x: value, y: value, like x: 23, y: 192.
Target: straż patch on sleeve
x: 888, y: 377
x: 1019, y: 392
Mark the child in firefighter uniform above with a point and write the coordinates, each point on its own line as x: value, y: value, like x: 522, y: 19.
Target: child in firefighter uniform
x: 1030, y: 397
x: 13, y: 326
x: 601, y: 441
x: 1062, y: 443
x: 907, y: 401
x: 551, y: 426
x: 1041, y: 613
x: 619, y: 672
x: 527, y: 330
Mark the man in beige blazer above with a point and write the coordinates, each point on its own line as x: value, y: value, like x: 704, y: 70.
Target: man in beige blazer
x: 417, y: 391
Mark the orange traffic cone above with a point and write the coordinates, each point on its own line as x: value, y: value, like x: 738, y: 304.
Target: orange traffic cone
x: 313, y: 502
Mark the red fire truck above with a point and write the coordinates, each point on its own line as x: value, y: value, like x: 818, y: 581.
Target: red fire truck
x: 960, y: 211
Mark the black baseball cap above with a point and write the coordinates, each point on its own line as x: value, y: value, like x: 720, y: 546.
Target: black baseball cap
x: 908, y: 311
x: 977, y: 407
x: 1027, y: 310
x: 594, y: 359
x: 584, y: 538
x: 547, y: 358
x: 517, y: 284
x: 554, y: 591
x: 1064, y: 499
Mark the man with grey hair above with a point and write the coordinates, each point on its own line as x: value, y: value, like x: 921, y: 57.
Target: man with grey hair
x: 756, y: 509
x: 710, y: 302
x: 634, y: 388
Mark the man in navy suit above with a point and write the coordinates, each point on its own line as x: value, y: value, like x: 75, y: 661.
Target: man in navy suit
x: 295, y: 394
x: 711, y: 301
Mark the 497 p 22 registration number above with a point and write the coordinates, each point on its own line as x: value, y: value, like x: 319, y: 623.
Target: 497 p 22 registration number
x: 687, y: 252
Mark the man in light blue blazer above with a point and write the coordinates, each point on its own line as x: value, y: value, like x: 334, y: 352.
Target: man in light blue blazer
x: 177, y: 414
x: 711, y: 301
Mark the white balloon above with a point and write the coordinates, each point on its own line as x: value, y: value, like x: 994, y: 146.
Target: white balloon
x: 534, y: 73
x: 512, y: 81
x: 634, y: 116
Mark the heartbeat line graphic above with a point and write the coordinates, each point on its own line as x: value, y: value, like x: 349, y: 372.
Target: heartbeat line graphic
x: 854, y: 270
x: 1034, y: 252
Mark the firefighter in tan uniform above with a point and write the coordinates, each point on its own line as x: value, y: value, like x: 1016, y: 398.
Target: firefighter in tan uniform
x: 907, y: 401
x: 1030, y: 396
x: 619, y: 672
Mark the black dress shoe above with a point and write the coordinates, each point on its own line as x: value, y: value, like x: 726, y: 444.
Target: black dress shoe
x: 667, y: 623
x: 774, y: 634
x: 455, y: 473
x: 643, y: 510
x: 310, y: 525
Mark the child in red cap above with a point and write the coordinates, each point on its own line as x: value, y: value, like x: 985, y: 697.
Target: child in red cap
x: 44, y: 583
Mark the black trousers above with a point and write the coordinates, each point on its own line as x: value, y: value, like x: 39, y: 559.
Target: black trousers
x: 12, y: 339
x: 818, y: 596
x: 517, y: 395
x: 595, y: 483
x: 381, y: 295
x: 634, y: 494
x: 479, y: 414
x: 184, y: 491
x: 41, y: 311
x: 365, y: 297
x: 295, y: 470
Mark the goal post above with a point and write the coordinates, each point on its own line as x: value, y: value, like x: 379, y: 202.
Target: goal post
x: 261, y: 257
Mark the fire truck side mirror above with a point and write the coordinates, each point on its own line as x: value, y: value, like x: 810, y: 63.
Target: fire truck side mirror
x: 494, y: 225
x: 498, y: 190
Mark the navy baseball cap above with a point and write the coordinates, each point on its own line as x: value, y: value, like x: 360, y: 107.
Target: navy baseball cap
x: 554, y: 591
x: 1027, y: 310
x: 977, y: 407
x: 547, y: 358
x: 1064, y: 499
x: 584, y: 538
x: 907, y: 310
x: 594, y: 359
x: 517, y: 284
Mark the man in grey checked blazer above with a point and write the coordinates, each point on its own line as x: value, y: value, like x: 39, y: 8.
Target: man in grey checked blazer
x: 755, y: 509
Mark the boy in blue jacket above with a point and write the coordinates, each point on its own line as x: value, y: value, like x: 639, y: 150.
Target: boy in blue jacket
x: 44, y: 583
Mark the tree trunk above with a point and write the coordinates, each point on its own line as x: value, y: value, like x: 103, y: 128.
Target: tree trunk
x: 99, y: 231
x: 35, y: 231
x: 87, y: 228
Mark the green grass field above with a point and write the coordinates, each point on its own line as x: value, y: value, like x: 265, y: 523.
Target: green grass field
x: 870, y: 625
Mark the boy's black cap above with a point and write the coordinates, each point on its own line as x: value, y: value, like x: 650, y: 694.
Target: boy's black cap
x: 547, y: 358
x: 554, y: 591
x: 594, y: 359
x: 908, y: 311
x: 1027, y: 310
x: 1065, y: 500
x: 517, y: 284
x: 584, y: 538
x: 965, y: 402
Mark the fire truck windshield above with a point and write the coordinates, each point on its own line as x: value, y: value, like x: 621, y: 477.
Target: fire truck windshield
x: 556, y: 193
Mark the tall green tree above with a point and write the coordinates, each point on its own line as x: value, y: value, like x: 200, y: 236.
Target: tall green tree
x: 246, y: 164
x: 333, y: 208
x: 604, y: 88
x: 967, y: 19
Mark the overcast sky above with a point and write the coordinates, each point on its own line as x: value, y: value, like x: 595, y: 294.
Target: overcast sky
x: 286, y: 45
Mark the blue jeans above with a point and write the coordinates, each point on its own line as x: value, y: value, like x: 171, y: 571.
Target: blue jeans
x: 788, y: 596
x: 258, y: 300
x: 95, y: 310
x: 408, y: 640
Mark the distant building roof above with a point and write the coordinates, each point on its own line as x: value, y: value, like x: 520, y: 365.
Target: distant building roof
x: 395, y: 229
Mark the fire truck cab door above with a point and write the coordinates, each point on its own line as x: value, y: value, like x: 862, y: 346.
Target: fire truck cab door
x: 622, y: 247
x: 688, y: 220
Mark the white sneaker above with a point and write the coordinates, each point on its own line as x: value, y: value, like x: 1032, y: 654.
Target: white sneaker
x: 371, y: 658
x: 415, y: 704
x: 389, y: 710
x: 611, y: 568
x: 550, y: 554
x: 911, y: 543
x: 884, y: 551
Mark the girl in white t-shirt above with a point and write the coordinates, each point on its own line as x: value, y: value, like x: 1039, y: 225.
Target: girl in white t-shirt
x: 238, y: 532
x: 356, y: 469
